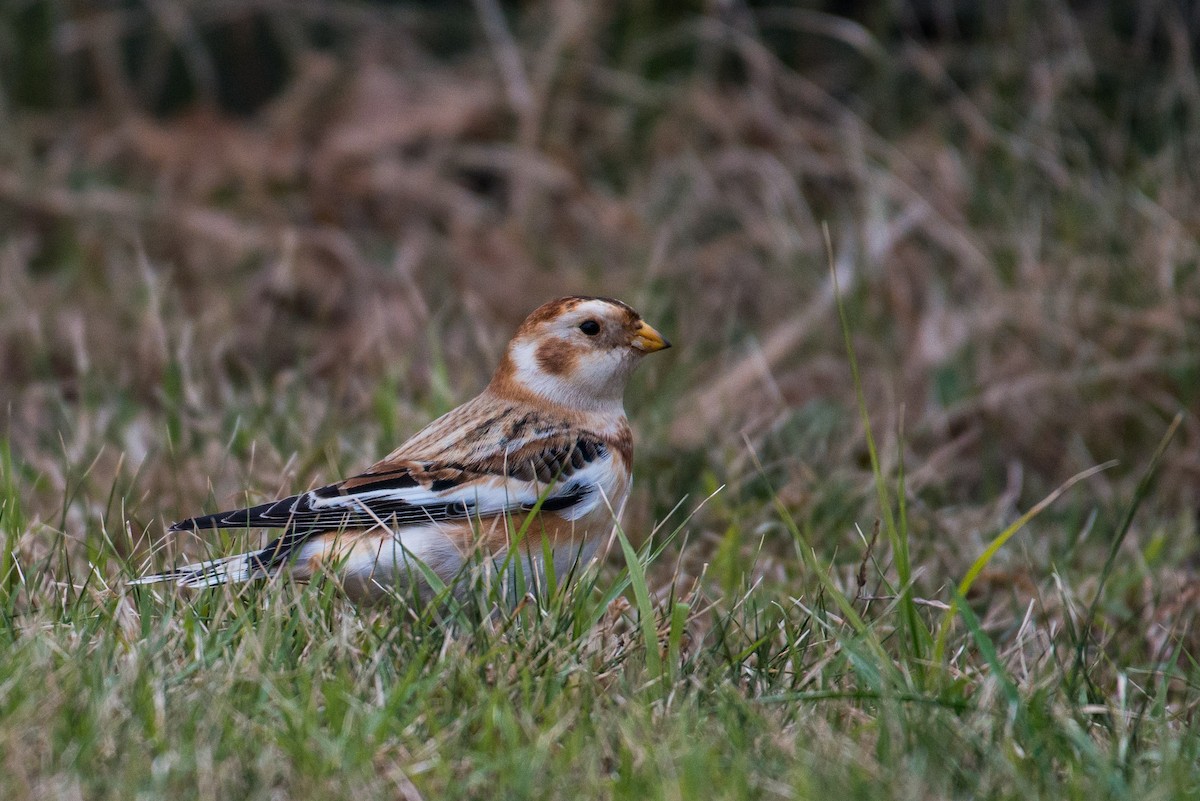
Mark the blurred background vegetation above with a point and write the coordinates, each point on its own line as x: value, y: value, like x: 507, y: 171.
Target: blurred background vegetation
x: 245, y: 246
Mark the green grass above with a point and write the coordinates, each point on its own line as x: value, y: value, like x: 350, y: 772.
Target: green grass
x: 796, y: 688
x: 922, y: 526
x: 288, y: 689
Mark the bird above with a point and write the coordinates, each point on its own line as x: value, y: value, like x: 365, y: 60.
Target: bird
x: 541, y: 458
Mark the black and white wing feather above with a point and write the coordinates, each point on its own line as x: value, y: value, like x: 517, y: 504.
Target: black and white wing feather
x: 558, y: 477
x: 566, y: 476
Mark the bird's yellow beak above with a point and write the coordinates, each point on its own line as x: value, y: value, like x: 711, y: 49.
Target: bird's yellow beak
x: 648, y: 340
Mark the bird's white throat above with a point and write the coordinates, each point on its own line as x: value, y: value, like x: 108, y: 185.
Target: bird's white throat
x: 595, y: 383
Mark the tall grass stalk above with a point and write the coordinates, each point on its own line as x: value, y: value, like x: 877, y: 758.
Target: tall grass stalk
x: 1140, y: 493
x: 914, y: 635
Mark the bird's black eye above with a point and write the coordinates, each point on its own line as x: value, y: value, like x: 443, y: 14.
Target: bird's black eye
x: 590, y: 327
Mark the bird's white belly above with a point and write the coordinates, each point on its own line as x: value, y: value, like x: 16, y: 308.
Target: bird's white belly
x: 374, y: 565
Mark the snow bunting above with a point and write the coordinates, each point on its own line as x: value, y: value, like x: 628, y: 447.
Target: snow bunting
x: 542, y: 454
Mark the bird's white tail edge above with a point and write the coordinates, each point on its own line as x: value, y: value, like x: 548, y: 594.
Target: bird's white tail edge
x: 227, y: 570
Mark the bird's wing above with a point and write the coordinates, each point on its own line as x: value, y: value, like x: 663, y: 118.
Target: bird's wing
x: 558, y: 473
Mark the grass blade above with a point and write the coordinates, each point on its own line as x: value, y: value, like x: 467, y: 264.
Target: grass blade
x: 994, y: 547
x: 914, y: 635
x: 641, y: 593
x: 1139, y: 494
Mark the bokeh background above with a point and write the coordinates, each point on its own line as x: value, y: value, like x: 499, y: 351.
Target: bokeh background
x: 248, y: 246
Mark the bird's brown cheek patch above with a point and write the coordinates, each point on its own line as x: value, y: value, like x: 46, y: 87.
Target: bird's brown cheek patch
x: 557, y: 357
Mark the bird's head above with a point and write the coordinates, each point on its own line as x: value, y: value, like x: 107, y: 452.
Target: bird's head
x: 578, y: 352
